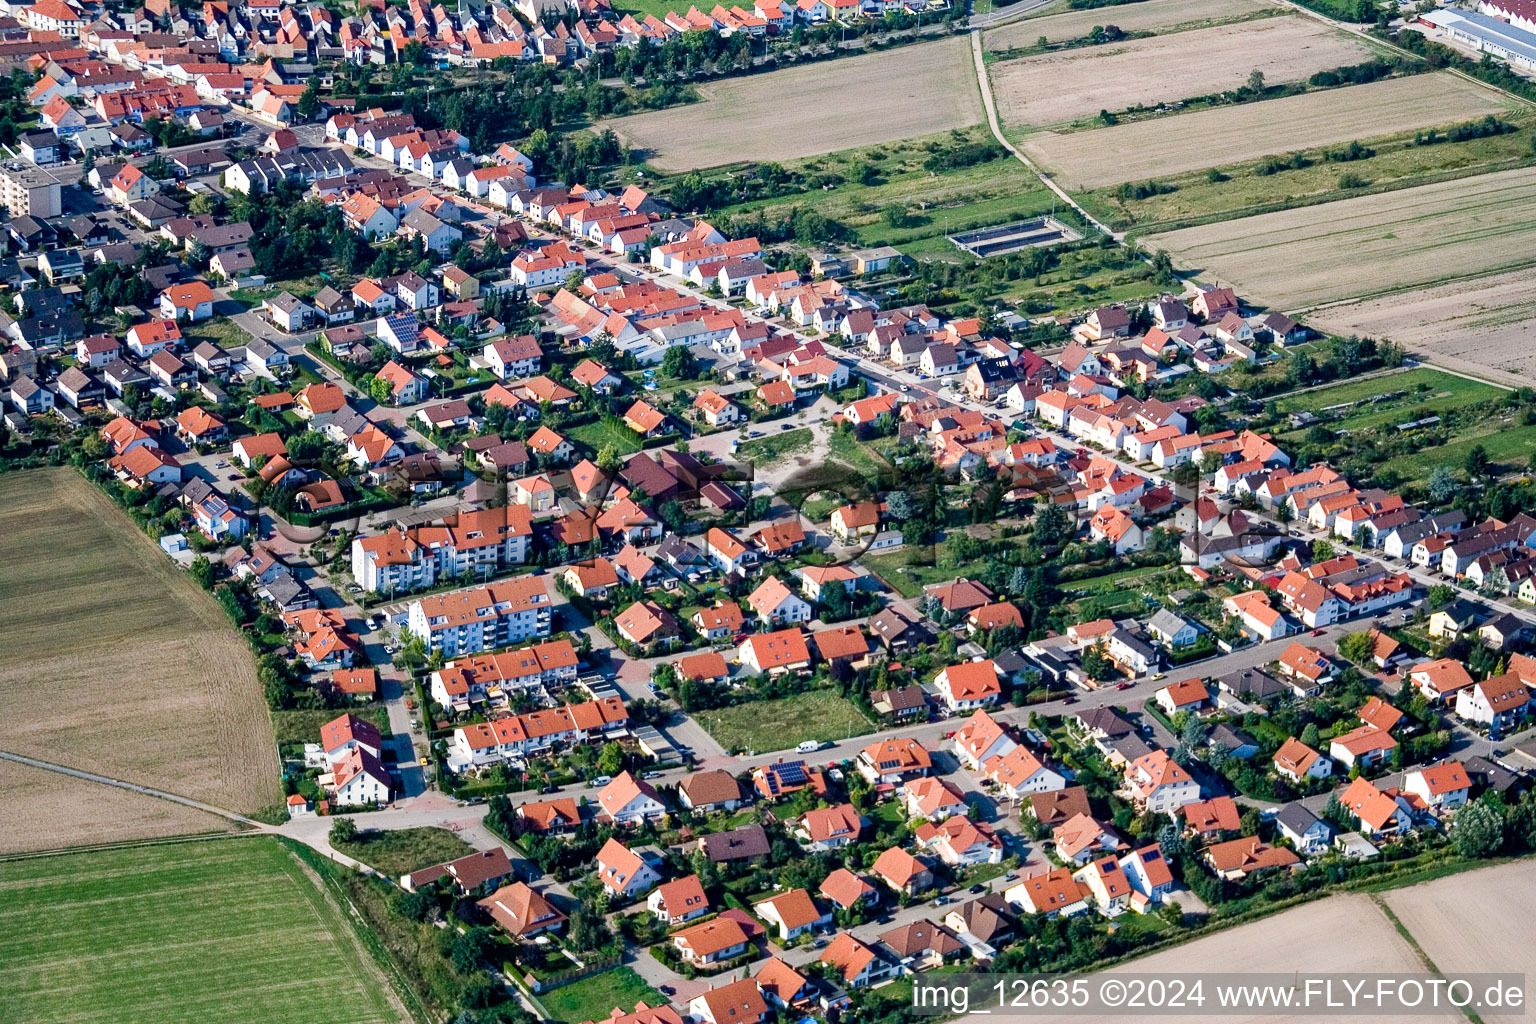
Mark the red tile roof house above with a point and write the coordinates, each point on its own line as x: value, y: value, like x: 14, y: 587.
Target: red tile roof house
x: 629, y: 801
x: 794, y: 913
x: 781, y: 984
x: 1296, y: 761
x: 1050, y: 893
x: 1186, y: 695
x: 980, y: 739
x: 1239, y: 858
x: 738, y: 1002
x: 829, y: 828
x: 922, y: 943
x: 931, y: 798
x: 715, y: 790
x: 624, y: 872
x: 969, y: 686
x: 1158, y: 784
x: 713, y: 941
x: 893, y: 760
x: 847, y: 889
x: 902, y: 872
x: 1365, y: 745
x: 1498, y: 702
x: 1442, y: 787
x: 523, y: 911
x: 1207, y: 818
x: 1377, y: 813
x: 856, y: 964
x: 483, y: 867
x: 678, y: 901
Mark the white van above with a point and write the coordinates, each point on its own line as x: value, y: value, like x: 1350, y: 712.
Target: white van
x: 809, y: 747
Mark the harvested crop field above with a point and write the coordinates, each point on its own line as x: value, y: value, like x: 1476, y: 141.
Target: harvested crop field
x: 1056, y: 88
x: 817, y: 108
x: 1190, y: 142
x: 1149, y: 16
x: 114, y: 661
x: 219, y: 932
x: 1370, y: 245
x: 45, y: 810
x: 1484, y: 325
x: 1473, y: 921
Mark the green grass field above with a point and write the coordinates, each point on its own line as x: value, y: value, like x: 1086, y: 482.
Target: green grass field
x: 1429, y: 393
x: 603, y: 434
x: 219, y: 931
x: 401, y: 851
x: 984, y: 194
x: 764, y: 725
x: 1512, y: 446
x: 594, y: 998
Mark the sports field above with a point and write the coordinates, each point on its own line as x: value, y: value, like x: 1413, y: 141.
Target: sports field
x: 1062, y: 87
x: 115, y: 662
x: 1223, y: 135
x: 218, y: 931
x: 816, y: 108
x: 1483, y: 325
x: 1371, y: 245
x: 1148, y: 16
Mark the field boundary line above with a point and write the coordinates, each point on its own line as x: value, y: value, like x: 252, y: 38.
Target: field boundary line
x: 132, y: 787
x: 1418, y: 950
x: 127, y: 844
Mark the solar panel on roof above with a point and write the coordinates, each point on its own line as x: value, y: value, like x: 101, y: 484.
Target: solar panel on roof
x: 791, y: 773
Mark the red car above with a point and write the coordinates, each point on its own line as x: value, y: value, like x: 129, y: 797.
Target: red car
x: 1318, y: 632
x: 949, y: 734
x: 1125, y: 686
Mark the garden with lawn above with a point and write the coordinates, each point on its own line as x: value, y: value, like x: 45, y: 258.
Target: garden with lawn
x: 594, y: 998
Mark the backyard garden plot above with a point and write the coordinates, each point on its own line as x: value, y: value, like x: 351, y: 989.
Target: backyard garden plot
x: 1484, y: 325
x: 1369, y: 246
x: 1390, y: 399
x: 799, y: 112
x: 1149, y: 16
x: 114, y: 661
x: 220, y: 931
x: 1222, y: 135
x: 1058, y: 88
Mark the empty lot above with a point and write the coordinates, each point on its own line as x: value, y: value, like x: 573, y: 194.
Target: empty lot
x: 1056, y: 88
x: 1371, y: 245
x: 1485, y: 325
x: 115, y: 662
x: 800, y: 112
x: 1222, y: 135
x: 1149, y: 16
